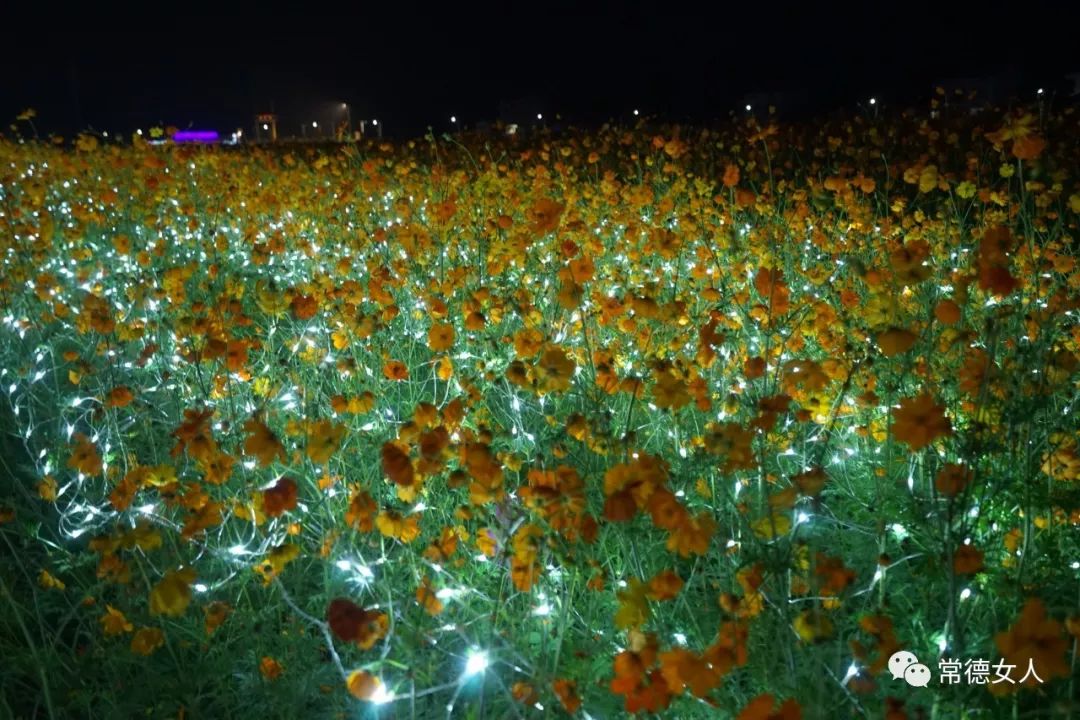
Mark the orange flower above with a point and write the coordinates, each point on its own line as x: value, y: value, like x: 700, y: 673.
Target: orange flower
x: 967, y: 560
x: 280, y: 497
x: 664, y: 585
x: 395, y: 370
x: 361, y: 512
x: 441, y: 337
x: 113, y: 622
x: 120, y: 396
x: 947, y: 312
x: 952, y: 478
x: 524, y: 693
x: 693, y: 536
x: 425, y: 595
x: 362, y: 685
x: 304, y: 307
x: 895, y: 341
x: 920, y: 421
x: 351, y: 623
x: 731, y: 175
x: 810, y: 482
x: 545, y: 215
x: 1034, y: 639
x: 270, y: 668
x: 682, y: 668
x: 146, y: 641
x: 215, y: 613
x: 262, y: 443
x: 761, y: 708
x: 397, y: 465
x: 643, y: 689
x: 566, y: 691
x: 84, y: 456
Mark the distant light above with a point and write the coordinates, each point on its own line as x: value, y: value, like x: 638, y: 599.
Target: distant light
x: 453, y: 118
x: 374, y: 122
x: 873, y: 101
x: 198, y: 136
x: 635, y: 113
x: 314, y: 124
x: 139, y: 131
x: 539, y: 116
x: 239, y: 132
x: 747, y: 108
x: 476, y: 663
x: 265, y: 126
x: 1039, y: 91
x: 105, y: 133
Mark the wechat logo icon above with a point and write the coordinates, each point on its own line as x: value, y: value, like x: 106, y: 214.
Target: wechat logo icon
x: 905, y: 666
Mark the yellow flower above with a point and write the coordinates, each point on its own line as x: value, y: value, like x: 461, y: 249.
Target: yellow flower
x: 323, y: 439
x: 966, y: 190
x: 276, y: 560
x: 172, y: 594
x: 928, y: 178
x: 113, y: 622
x: 633, y: 605
x: 50, y: 582
x: 1007, y: 170
x: 48, y: 489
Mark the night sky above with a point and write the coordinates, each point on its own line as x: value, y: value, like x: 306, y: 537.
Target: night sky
x: 207, y: 67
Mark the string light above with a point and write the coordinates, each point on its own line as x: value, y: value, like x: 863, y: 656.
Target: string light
x: 476, y: 662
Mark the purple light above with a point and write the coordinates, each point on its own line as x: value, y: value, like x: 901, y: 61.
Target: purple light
x: 198, y: 136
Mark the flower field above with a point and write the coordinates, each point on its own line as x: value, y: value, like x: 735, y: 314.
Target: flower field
x: 677, y: 422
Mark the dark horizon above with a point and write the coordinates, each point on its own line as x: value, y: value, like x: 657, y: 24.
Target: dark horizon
x: 216, y: 68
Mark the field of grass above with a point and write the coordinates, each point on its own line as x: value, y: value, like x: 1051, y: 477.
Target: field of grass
x: 680, y: 422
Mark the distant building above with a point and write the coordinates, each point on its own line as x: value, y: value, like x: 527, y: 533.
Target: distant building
x: 266, y: 127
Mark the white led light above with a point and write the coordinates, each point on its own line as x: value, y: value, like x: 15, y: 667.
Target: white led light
x: 477, y: 662
x: 381, y: 696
